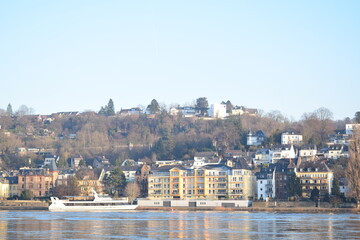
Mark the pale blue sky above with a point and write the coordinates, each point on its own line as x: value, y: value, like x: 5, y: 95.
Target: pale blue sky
x: 291, y: 56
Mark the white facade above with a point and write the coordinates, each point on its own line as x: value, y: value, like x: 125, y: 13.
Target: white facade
x: 217, y: 111
x: 350, y: 127
x: 262, y: 156
x: 255, y: 139
x: 282, y: 152
x: 161, y: 163
x: 308, y: 153
x: 252, y: 140
x: 48, y: 160
x: 185, y: 111
x: 291, y: 138
x: 266, y: 186
x: 173, y: 111
x: 129, y: 175
x: 335, y: 152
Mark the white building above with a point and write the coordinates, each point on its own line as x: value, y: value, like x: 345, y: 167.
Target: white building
x: 204, y: 158
x: 129, y: 172
x: 308, y: 152
x: 49, y: 158
x: 161, y: 163
x: 283, y: 151
x: 218, y: 111
x: 291, y: 138
x: 255, y: 139
x: 336, y: 151
x: 265, y: 180
x: 350, y: 127
x: 184, y: 111
x: 262, y: 156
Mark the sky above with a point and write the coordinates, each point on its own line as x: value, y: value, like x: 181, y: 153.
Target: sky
x: 290, y: 56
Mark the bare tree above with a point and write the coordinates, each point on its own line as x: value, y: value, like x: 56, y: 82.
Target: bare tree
x: 132, y: 191
x: 353, y: 168
x: 325, y: 116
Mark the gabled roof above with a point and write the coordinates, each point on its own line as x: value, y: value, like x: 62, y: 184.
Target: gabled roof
x: 313, y: 167
x: 263, y: 151
x: 240, y: 163
x: 336, y: 147
x: 281, y: 147
x: 129, y: 168
x: 291, y: 132
x: 53, y: 166
x: 308, y: 147
x: 216, y: 166
x: 166, y: 168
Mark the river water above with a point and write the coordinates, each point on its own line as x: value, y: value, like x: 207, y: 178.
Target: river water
x: 177, y: 225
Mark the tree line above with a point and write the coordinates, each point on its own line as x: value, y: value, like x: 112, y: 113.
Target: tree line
x: 161, y: 137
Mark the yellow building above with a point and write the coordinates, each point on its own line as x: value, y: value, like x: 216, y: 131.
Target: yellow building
x: 242, y: 184
x: 87, y: 183
x: 213, y: 181
x: 315, y: 175
x: 4, y: 189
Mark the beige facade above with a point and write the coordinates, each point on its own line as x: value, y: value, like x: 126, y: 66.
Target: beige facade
x: 4, y: 189
x: 87, y: 184
x: 315, y: 177
x: 207, y: 182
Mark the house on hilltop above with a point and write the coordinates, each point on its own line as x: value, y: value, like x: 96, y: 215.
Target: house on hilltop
x: 255, y: 138
x: 291, y: 137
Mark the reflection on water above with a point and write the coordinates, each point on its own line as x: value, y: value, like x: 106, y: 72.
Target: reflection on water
x: 177, y: 225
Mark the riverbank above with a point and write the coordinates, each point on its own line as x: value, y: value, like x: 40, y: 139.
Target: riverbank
x: 38, y: 205
x: 255, y: 209
x: 23, y: 205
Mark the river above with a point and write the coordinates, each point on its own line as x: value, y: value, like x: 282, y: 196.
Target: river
x: 177, y: 225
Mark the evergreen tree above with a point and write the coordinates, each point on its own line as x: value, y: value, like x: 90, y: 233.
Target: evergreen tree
x: 202, y: 104
x: 116, y: 182
x: 336, y: 188
x: 357, y: 117
x: 102, y: 111
x: 294, y: 186
x: 9, y: 110
x: 315, y: 194
x: 110, y: 109
x: 229, y: 106
x: 154, y: 107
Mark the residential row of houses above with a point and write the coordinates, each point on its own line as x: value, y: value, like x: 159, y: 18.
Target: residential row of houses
x: 232, y: 180
x: 214, y: 111
x: 206, y: 177
x: 305, y: 152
